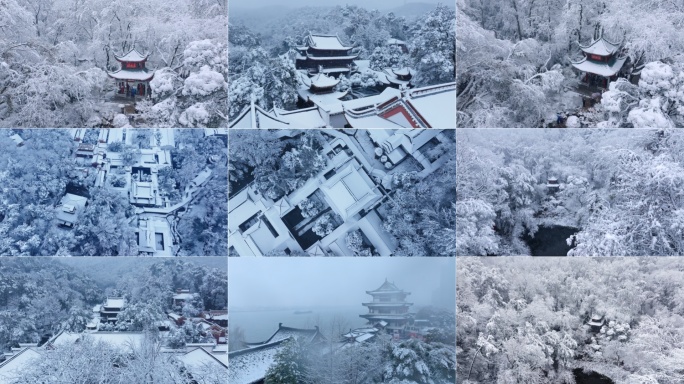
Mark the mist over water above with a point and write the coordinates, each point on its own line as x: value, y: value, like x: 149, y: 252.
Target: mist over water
x: 259, y: 325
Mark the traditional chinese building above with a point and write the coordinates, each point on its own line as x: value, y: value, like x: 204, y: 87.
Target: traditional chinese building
x: 398, y: 77
x: 325, y: 54
x: 133, y: 78
x: 181, y: 297
x: 552, y: 185
x: 602, y: 62
x: 389, y: 309
x: 109, y: 311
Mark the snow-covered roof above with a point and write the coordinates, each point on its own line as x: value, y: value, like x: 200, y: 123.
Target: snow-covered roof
x: 215, y: 131
x: 372, y: 101
x: 14, y: 367
x: 256, y: 117
x: 394, y: 41
x: 372, y: 227
x: 316, y: 250
x: 601, y: 47
x: 17, y: 139
x: 350, y: 190
x: 183, y: 296
x: 200, y: 362
x: 70, y: 207
x: 402, y: 71
x: 435, y: 104
x: 249, y: 365
x: 262, y: 236
x: 429, y: 107
x: 322, y: 80
x: 132, y: 56
x: 241, y: 207
x: 328, y: 58
x: 335, y: 70
x: 324, y: 99
x: 388, y: 288
x: 121, y: 340
x: 362, y: 64
x: 369, y: 121
x: 131, y: 74
x: 603, y: 69
x: 64, y: 338
x: 301, y: 118
x: 115, y: 302
x: 284, y: 333
x: 326, y: 42
x: 202, y: 177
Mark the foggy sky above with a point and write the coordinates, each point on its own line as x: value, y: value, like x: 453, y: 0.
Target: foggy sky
x: 310, y: 282
x: 370, y: 4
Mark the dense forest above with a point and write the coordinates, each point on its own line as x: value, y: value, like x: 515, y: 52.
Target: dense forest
x: 514, y: 62
x: 52, y: 296
x: 55, y: 55
x: 36, y: 175
x: 619, y: 191
x: 261, y: 66
x: 552, y: 320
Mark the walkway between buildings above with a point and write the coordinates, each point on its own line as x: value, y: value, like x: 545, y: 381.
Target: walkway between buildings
x: 360, y: 156
x: 190, y: 193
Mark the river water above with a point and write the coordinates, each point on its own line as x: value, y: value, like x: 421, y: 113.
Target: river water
x: 259, y: 325
x: 582, y: 377
x: 550, y: 241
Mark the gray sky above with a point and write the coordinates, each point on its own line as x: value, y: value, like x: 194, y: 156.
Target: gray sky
x: 320, y: 281
x: 371, y: 4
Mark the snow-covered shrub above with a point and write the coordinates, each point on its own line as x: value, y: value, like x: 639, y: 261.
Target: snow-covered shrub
x: 204, y: 83
x: 354, y: 241
x: 309, y: 207
x: 572, y: 122
x: 656, y: 76
x: 120, y: 120
x: 201, y: 53
x: 117, y: 181
x: 164, y: 83
x: 195, y: 116
x: 649, y: 114
x: 323, y: 226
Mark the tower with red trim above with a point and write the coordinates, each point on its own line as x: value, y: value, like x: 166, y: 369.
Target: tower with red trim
x: 133, y: 74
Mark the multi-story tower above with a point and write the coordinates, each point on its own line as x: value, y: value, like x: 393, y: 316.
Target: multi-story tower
x: 133, y: 74
x: 389, y: 309
x: 325, y: 54
x: 109, y: 311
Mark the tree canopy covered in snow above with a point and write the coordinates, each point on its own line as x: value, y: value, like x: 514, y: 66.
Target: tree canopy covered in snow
x: 621, y: 190
x: 527, y: 320
x: 34, y: 287
x: 514, y: 62
x: 54, y: 55
x: 38, y: 174
x: 380, y: 360
x: 262, y: 53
